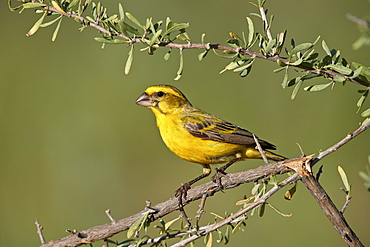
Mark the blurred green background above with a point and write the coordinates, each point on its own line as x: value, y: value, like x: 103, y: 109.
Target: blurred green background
x: 73, y: 142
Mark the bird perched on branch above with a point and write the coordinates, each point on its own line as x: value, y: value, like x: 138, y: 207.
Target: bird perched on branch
x: 199, y: 137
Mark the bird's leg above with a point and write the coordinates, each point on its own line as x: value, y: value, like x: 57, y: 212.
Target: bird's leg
x: 182, y: 192
x: 221, y: 171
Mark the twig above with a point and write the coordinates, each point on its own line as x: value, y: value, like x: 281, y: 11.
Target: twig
x: 345, y: 140
x: 239, y: 213
x: 265, y: 23
x: 201, y: 210
x: 300, y: 148
x: 260, y: 149
x: 181, y: 234
x: 107, y: 212
x: 39, y: 231
x: 348, y: 199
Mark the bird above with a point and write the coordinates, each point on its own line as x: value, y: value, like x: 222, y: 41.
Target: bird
x: 199, y: 137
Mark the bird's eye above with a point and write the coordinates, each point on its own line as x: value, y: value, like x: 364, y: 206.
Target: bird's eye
x: 160, y: 94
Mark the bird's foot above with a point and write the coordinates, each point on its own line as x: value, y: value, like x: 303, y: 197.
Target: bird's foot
x: 182, y: 192
x: 217, y: 177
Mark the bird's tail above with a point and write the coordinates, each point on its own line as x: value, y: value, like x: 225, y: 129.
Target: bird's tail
x: 274, y: 157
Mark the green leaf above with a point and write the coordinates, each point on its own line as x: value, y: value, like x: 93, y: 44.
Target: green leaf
x: 365, y: 70
x: 245, y: 72
x: 37, y: 25
x: 167, y: 55
x: 168, y: 23
x: 168, y: 224
x: 121, y: 11
x: 127, y: 28
x: 46, y: 24
x: 202, y: 55
x: 326, y: 48
x: 137, y: 225
x: 289, y: 194
x: 298, y: 62
x: 155, y: 37
x: 262, y: 209
x: 241, y: 68
x: 255, y: 189
x: 318, y: 87
x: 30, y: 6
x: 301, y: 47
x: 278, y: 69
x: 227, y: 234
x: 56, y: 31
x: 364, y: 176
x: 356, y: 73
x: 344, y: 180
x: 210, y: 240
x: 284, y: 84
x: 250, y: 31
x: 310, y: 76
x: 297, y: 87
x: 339, y: 68
x: 233, y: 65
x: 181, y: 67
x: 129, y: 59
x: 366, y: 113
x: 270, y: 45
x: 362, y: 99
x: 278, y: 211
x: 176, y: 27
x: 73, y: 3
x: 281, y: 63
x: 134, y: 20
x: 339, y: 79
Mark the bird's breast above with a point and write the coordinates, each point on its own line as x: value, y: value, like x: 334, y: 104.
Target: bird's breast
x: 191, y: 148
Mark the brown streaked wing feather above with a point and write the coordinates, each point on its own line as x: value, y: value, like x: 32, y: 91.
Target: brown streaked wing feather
x: 208, y: 127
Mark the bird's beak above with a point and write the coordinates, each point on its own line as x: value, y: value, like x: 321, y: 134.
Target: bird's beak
x: 144, y: 100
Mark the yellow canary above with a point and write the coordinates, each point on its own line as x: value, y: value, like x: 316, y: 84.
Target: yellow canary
x: 197, y: 136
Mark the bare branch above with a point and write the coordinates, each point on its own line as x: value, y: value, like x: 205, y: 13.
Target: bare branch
x: 345, y: 140
x: 239, y: 213
x: 39, y: 231
x: 329, y: 209
x: 230, y: 181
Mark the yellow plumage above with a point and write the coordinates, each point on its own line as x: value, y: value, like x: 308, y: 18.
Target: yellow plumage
x: 197, y: 136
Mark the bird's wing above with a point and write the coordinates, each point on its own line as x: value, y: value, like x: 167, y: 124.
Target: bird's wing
x: 208, y: 127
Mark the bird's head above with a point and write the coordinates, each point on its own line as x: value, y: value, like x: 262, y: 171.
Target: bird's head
x: 163, y: 99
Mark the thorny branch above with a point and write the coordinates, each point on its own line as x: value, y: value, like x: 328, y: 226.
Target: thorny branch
x: 302, y: 165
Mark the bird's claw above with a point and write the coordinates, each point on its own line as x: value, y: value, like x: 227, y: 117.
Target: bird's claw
x: 217, y: 177
x: 182, y: 192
